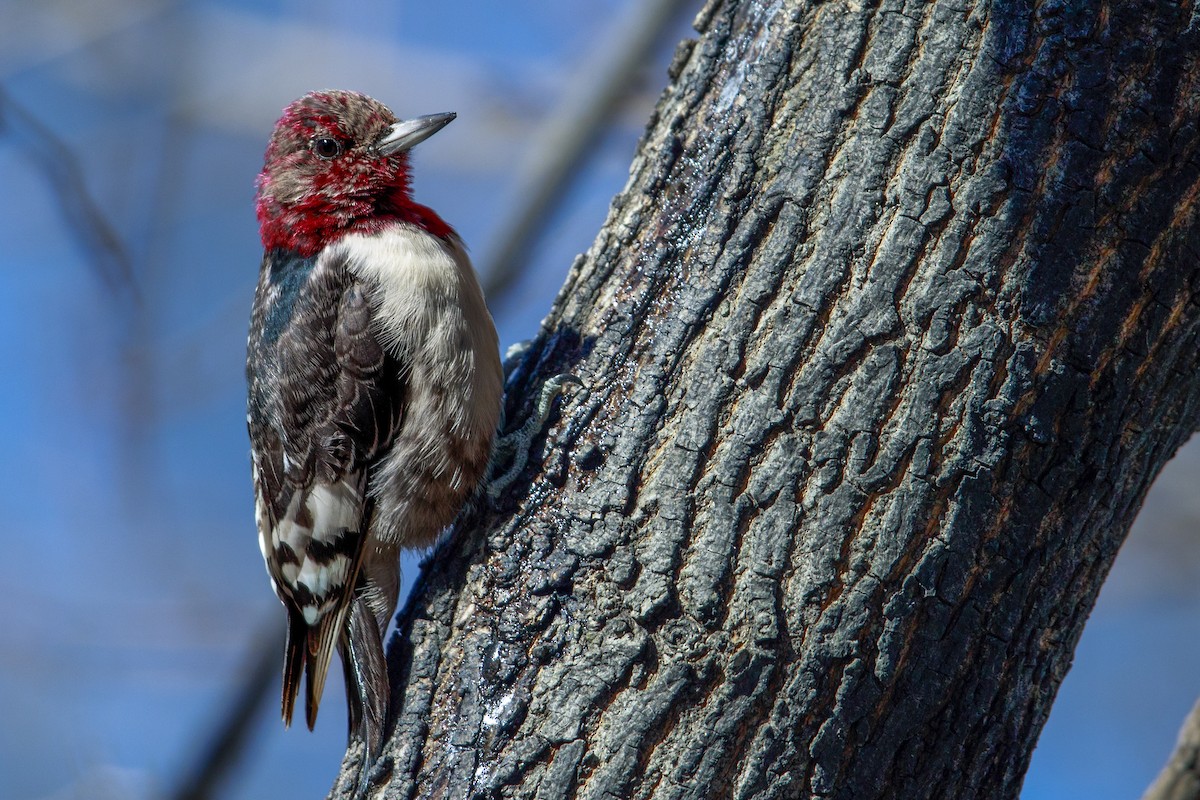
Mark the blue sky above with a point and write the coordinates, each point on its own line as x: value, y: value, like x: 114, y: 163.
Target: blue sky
x: 136, y: 591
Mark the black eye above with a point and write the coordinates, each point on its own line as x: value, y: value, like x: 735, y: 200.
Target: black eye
x: 326, y: 147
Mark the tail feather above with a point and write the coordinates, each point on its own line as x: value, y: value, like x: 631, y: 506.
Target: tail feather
x: 364, y: 660
x: 321, y: 642
x: 293, y: 662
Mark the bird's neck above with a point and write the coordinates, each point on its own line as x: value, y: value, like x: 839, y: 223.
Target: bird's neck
x: 307, y: 227
x: 400, y: 206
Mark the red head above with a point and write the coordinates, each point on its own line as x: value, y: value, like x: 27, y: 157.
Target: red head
x: 337, y: 163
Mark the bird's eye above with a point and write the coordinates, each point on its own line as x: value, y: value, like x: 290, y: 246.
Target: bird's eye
x: 326, y: 148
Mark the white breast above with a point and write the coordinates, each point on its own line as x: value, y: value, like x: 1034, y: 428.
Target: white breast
x: 431, y: 313
x: 431, y: 316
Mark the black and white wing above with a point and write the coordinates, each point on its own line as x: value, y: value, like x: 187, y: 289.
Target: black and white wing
x: 325, y: 402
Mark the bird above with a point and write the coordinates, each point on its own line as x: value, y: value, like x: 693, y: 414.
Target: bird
x: 374, y: 387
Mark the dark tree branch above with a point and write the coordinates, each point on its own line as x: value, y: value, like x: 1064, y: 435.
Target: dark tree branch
x: 892, y: 328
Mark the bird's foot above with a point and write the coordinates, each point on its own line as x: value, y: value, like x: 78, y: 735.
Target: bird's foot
x: 514, y: 447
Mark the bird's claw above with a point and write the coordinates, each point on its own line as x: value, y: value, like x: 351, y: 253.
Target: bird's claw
x: 516, y: 444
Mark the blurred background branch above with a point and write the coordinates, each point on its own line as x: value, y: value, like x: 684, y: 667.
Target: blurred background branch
x: 562, y: 141
x: 219, y: 757
x: 83, y: 218
x: 1180, y: 778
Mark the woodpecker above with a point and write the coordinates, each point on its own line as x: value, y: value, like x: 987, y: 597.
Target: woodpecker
x: 374, y: 386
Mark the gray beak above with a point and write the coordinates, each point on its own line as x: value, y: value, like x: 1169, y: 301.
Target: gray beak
x: 410, y: 132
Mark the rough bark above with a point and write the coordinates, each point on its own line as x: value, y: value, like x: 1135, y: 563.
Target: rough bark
x: 882, y: 345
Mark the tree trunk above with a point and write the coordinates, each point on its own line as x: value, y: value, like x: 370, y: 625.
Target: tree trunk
x: 881, y: 347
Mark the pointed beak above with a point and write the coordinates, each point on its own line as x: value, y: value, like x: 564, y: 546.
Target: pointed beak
x: 403, y: 135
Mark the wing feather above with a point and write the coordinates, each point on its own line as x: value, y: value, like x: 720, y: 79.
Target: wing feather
x: 325, y: 401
